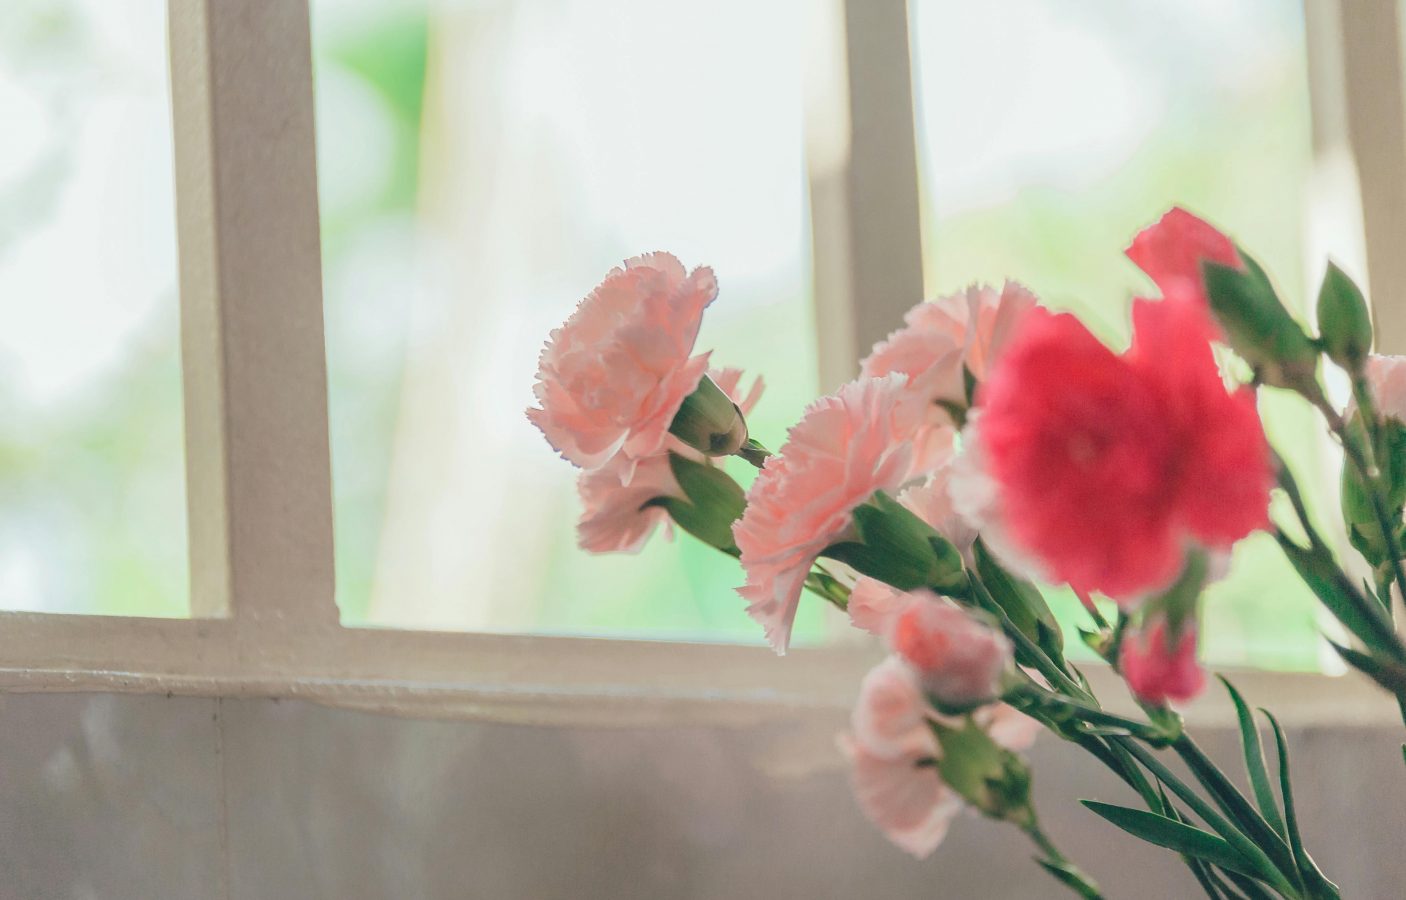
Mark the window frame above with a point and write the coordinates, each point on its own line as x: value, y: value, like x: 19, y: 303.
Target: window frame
x: 264, y: 616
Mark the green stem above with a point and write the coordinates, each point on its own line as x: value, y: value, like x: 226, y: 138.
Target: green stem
x: 1370, y: 609
x: 1059, y: 866
x: 1363, y: 460
x: 1031, y: 650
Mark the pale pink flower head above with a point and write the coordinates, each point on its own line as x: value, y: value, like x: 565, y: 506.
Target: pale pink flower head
x: 892, y: 751
x: 891, y: 715
x: 619, y: 518
x: 1160, y: 666
x: 871, y: 435
x: 959, y: 659
x: 1173, y: 250
x: 1386, y: 376
x: 611, y: 379
x: 907, y: 800
x: 938, y: 339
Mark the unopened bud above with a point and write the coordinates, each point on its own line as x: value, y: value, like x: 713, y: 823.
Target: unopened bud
x: 1259, y: 328
x: 1344, y: 324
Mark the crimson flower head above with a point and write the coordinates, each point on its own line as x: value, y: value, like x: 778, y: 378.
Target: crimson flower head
x: 1106, y: 466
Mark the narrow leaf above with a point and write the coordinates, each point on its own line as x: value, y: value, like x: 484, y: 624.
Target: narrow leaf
x: 1317, y: 880
x: 1389, y: 675
x: 1254, y: 762
x: 1173, y: 835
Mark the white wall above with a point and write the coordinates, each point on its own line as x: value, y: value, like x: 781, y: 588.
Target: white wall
x: 118, y: 797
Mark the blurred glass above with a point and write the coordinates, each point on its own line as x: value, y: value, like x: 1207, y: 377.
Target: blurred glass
x: 482, y: 165
x: 1050, y: 131
x: 92, y: 485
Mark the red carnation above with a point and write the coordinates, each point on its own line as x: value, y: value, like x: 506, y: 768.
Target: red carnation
x: 1106, y: 466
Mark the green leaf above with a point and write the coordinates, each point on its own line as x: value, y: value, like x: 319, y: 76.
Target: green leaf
x: 1173, y: 835
x: 1344, y: 325
x: 1233, y: 804
x: 1390, y: 675
x: 1317, y: 883
x: 1254, y: 761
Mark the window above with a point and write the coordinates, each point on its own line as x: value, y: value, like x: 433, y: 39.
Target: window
x: 92, y: 484
x: 255, y: 380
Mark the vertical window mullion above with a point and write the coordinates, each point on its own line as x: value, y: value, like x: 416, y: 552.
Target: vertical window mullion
x: 864, y: 181
x: 255, y: 375
x: 1355, y: 70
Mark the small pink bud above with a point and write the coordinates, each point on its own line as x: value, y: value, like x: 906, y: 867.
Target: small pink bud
x: 1161, y: 667
x: 959, y: 659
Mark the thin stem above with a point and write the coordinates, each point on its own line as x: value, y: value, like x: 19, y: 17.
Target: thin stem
x: 1365, y: 463
x: 1048, y: 667
x: 1058, y: 865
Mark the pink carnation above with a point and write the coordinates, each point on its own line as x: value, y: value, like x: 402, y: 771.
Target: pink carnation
x: 617, y: 517
x: 1161, y: 667
x: 908, y: 802
x: 939, y: 338
x: 1104, y: 465
x: 611, y: 379
x: 891, y: 751
x: 1173, y: 249
x: 959, y: 659
x: 869, y: 436
x: 1386, y: 376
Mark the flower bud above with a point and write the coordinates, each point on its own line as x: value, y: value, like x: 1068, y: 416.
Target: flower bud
x: 1259, y: 328
x: 960, y: 660
x: 1344, y: 324
x: 708, y: 421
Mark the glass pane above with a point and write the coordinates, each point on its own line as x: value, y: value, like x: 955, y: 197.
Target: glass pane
x: 92, y: 484
x: 482, y: 166
x: 1051, y: 131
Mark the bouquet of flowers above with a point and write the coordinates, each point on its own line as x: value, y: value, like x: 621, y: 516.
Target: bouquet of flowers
x: 989, y: 446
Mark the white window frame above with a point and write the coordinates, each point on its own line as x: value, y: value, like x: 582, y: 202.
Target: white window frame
x: 265, y: 621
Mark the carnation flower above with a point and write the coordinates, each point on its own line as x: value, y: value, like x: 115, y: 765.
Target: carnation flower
x: 611, y: 379
x: 871, y: 435
x: 618, y: 517
x: 1173, y: 249
x: 959, y: 659
x: 1159, y: 666
x: 892, y: 750
x: 1104, y: 465
x: 964, y: 330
